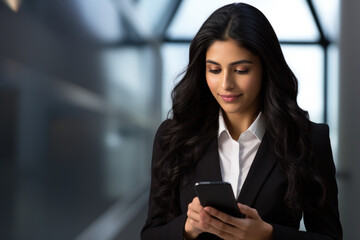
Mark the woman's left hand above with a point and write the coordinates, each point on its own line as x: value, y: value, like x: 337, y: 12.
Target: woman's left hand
x: 251, y: 227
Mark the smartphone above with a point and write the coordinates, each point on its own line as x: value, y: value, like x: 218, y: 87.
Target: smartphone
x: 218, y: 195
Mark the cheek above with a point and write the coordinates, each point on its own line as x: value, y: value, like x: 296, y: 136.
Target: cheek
x: 212, y: 83
x: 252, y: 85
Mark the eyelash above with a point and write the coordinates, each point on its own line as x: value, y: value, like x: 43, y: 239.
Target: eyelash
x: 217, y: 71
x: 242, y: 71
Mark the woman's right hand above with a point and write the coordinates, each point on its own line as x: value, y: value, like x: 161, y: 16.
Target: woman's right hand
x: 196, y: 216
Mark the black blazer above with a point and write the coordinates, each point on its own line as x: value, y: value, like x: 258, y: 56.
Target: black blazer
x: 263, y: 189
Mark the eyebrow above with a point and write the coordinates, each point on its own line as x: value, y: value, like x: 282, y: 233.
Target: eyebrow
x: 231, y: 64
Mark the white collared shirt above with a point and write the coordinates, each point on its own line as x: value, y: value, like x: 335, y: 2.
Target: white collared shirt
x: 236, y: 157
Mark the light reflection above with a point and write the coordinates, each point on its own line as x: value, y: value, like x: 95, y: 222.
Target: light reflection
x: 101, y: 17
x: 13, y: 4
x: 307, y: 64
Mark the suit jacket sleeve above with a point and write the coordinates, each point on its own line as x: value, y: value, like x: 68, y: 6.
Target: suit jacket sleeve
x: 325, y: 223
x: 155, y: 226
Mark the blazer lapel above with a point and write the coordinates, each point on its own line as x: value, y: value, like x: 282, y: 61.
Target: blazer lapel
x: 208, y: 167
x: 261, y: 167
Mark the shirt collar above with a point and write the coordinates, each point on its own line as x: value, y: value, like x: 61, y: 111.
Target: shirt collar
x: 257, y: 127
x: 222, y: 124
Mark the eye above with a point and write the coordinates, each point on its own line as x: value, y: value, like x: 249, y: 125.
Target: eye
x: 241, y: 71
x: 215, y: 71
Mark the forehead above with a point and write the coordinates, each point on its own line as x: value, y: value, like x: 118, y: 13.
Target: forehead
x: 229, y: 51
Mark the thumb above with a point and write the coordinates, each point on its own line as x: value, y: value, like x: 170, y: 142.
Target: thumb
x: 248, y: 211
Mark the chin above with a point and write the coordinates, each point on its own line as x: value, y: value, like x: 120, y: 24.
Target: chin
x: 231, y: 111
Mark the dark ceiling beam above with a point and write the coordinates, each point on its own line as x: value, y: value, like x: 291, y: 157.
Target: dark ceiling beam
x: 173, y: 9
x: 144, y: 34
x: 323, y: 39
x: 324, y: 42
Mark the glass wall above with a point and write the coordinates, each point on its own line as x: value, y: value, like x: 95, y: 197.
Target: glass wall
x: 84, y: 86
x: 308, y: 32
x: 79, y: 106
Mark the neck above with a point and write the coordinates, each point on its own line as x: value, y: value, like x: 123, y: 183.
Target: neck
x: 239, y: 123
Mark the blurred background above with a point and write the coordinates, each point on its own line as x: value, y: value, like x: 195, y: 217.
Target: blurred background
x: 84, y: 84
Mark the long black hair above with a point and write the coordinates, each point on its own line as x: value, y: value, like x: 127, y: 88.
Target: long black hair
x: 194, y: 121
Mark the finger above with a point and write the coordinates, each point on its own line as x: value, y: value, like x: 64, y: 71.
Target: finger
x: 222, y: 221
x: 193, y: 215
x: 201, y: 220
x: 248, y: 211
x: 196, y: 200
x: 191, y: 229
x: 220, y: 215
x: 195, y: 221
x: 218, y: 227
x: 201, y: 216
x: 195, y: 205
x: 195, y: 209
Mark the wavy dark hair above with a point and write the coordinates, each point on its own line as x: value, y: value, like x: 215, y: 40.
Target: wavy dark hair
x: 194, y: 121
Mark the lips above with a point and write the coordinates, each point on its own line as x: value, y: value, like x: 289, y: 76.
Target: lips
x: 230, y: 97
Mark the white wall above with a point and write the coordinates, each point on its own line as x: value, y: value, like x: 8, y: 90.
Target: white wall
x: 349, y: 119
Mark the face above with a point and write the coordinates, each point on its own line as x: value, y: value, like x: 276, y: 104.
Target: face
x: 234, y: 77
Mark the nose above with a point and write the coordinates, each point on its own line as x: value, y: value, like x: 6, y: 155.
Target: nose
x: 227, y: 81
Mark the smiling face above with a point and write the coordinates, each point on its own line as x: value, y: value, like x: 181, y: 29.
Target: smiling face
x: 234, y: 77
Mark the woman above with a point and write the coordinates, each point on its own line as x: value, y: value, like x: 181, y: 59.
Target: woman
x: 235, y: 118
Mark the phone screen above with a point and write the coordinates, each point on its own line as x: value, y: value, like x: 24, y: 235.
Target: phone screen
x: 218, y: 195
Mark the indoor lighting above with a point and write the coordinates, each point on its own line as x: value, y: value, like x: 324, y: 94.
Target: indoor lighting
x: 13, y: 4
